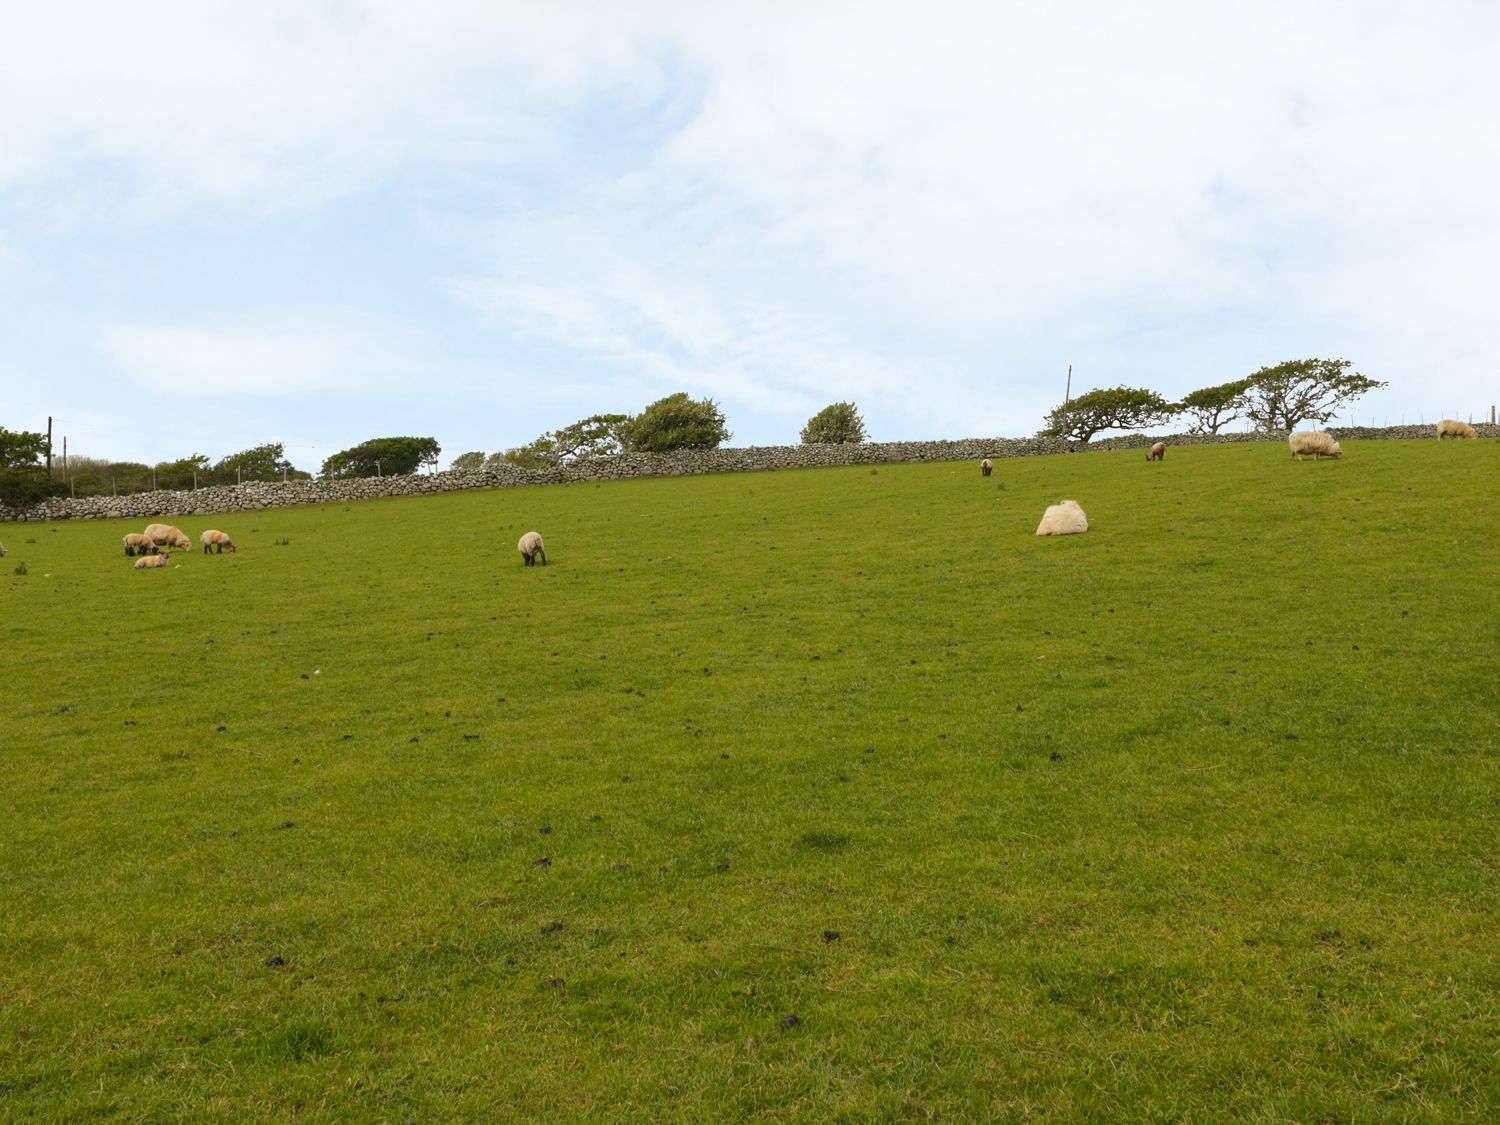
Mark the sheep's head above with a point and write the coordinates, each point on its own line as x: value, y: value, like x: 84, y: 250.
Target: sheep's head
x: 1336, y: 451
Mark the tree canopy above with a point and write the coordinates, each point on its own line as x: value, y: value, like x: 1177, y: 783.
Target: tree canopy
x: 23, y: 478
x: 262, y: 462
x: 1303, y: 390
x: 676, y: 422
x: 391, y: 456
x: 1215, y: 407
x: 836, y: 424
x: 1110, y: 408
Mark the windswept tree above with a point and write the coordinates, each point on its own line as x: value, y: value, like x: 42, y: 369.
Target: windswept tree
x: 598, y: 435
x: 392, y: 456
x: 1110, y: 408
x: 676, y: 422
x: 1303, y: 390
x: 1212, y: 408
x: 837, y: 424
x: 471, y: 460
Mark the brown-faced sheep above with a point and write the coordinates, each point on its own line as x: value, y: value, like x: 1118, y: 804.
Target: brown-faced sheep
x: 217, y: 540
x: 1452, y: 427
x: 1065, y: 518
x: 530, y: 546
x: 165, y: 535
x: 152, y: 562
x: 1316, y: 442
x: 1157, y: 452
x: 138, y: 544
x: 985, y: 468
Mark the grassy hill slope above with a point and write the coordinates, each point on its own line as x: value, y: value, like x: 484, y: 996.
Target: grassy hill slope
x: 818, y: 794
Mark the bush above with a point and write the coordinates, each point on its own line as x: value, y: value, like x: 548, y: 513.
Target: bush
x: 21, y: 488
x: 838, y: 424
x: 676, y: 422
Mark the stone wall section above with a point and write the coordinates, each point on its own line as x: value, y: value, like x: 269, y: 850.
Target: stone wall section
x: 254, y: 496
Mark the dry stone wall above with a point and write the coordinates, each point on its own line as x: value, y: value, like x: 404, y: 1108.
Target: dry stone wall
x: 257, y: 495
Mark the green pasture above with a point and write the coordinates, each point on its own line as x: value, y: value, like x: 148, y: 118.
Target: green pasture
x: 807, y: 795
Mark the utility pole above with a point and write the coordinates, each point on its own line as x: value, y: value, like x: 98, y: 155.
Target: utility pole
x: 1068, y: 393
x: 49, y: 447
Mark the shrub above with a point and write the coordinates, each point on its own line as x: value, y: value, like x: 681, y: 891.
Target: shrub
x: 837, y: 424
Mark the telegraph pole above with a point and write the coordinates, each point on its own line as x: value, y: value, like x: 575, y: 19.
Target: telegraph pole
x: 1068, y: 393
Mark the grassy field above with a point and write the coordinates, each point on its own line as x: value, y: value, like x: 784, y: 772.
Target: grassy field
x: 818, y: 795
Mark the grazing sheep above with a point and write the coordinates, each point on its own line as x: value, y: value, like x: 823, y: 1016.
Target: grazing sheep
x: 1452, y: 427
x: 218, y: 540
x: 985, y: 468
x: 152, y: 562
x: 1158, y: 452
x: 138, y: 544
x: 1065, y: 518
x: 1316, y: 442
x: 164, y: 534
x: 2, y: 550
x: 530, y: 546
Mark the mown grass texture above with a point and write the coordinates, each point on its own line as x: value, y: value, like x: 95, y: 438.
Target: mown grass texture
x: 827, y: 795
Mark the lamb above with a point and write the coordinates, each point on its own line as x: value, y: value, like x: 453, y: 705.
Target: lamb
x: 1316, y: 442
x: 1452, y: 427
x: 165, y: 534
x: 1065, y: 518
x: 152, y: 562
x: 138, y: 544
x: 985, y: 468
x: 1158, y: 452
x: 218, y: 540
x: 530, y: 546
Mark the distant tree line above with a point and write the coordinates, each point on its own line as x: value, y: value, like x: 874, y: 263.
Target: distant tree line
x: 1276, y: 399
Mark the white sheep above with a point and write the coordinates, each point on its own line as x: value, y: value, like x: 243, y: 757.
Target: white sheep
x: 1158, y: 451
x: 138, y: 544
x: 152, y: 562
x: 1065, y: 518
x: 985, y: 468
x: 1316, y: 442
x: 530, y: 545
x: 1452, y: 427
x: 2, y: 550
x: 164, y: 534
x: 216, y: 539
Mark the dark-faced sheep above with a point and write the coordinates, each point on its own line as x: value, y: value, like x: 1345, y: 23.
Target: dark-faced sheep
x: 1065, y: 518
x: 1452, y: 427
x: 530, y: 545
x: 138, y: 544
x: 985, y: 468
x: 165, y: 535
x: 1316, y: 442
x: 1157, y: 452
x: 152, y: 562
x: 216, y: 540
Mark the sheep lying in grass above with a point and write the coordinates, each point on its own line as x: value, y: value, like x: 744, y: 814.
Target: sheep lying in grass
x: 530, y: 546
x: 138, y: 544
x: 165, y: 535
x: 1452, y: 427
x: 1316, y: 442
x: 152, y: 562
x: 985, y: 468
x: 1065, y: 518
x: 218, y: 540
x: 1157, y: 452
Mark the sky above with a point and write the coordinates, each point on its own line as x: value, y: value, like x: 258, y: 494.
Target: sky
x: 321, y: 221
